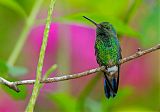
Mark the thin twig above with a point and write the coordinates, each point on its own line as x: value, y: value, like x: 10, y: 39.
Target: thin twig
x: 12, y: 85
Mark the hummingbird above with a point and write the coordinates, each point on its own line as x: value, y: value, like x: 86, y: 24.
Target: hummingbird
x: 108, y: 52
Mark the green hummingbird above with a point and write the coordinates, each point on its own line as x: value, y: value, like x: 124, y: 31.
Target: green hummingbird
x: 108, y: 52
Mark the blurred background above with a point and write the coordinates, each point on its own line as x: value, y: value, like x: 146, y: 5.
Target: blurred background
x: 71, y: 47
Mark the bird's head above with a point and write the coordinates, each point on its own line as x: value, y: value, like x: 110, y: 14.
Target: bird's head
x: 103, y: 27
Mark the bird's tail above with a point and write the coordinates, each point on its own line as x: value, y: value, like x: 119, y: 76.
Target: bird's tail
x: 111, y: 85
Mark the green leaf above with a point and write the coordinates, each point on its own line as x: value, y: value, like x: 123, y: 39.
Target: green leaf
x: 13, y: 5
x: 120, y: 26
x: 18, y: 96
x: 64, y: 101
x: 16, y: 71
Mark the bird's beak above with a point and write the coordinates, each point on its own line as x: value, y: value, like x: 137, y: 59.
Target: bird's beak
x: 98, y: 25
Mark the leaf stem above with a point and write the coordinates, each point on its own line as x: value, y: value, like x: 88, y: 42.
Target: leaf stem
x: 49, y: 71
x: 36, y: 87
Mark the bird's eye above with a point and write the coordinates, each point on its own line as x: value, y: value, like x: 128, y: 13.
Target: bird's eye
x: 108, y: 28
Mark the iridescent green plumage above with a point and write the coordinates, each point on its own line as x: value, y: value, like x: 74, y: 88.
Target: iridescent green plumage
x: 107, y: 46
x: 108, y: 52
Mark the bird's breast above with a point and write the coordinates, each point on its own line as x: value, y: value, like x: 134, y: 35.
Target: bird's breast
x: 106, y: 52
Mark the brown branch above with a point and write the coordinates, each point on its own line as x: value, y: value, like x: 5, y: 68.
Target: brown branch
x: 13, y: 85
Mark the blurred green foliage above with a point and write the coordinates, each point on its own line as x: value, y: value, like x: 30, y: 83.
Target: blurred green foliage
x: 150, y: 27
x: 120, y: 26
x: 13, y: 14
x: 27, y: 5
x: 13, y: 5
x: 68, y: 103
x: 24, y: 12
x: 3, y: 68
x: 16, y: 71
x: 117, y: 13
x: 103, y: 7
x: 65, y: 102
x: 6, y: 70
x: 17, y: 96
x: 11, y: 73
